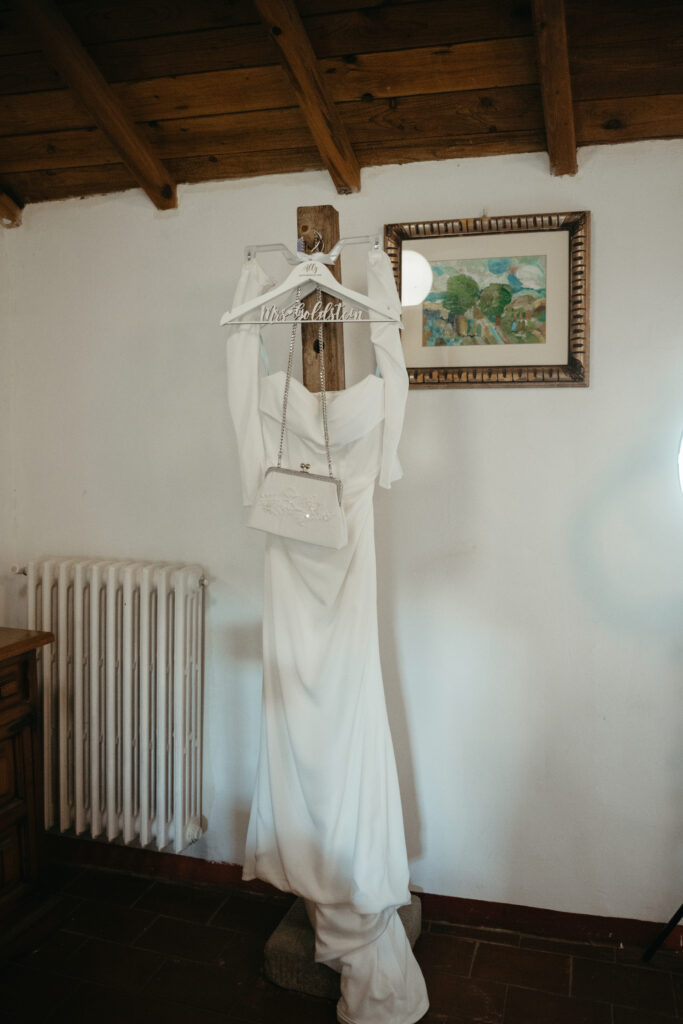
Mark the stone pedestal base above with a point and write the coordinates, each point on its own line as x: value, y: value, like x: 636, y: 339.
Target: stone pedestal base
x: 290, y: 950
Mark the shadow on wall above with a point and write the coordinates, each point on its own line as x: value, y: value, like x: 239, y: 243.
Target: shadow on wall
x: 13, y: 601
x: 232, y: 710
x: 595, y: 825
x: 551, y: 847
x: 242, y: 642
x: 626, y: 542
x: 398, y: 721
x: 626, y: 548
x: 240, y: 824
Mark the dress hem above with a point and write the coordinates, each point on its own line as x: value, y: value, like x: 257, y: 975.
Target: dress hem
x: 343, y: 1019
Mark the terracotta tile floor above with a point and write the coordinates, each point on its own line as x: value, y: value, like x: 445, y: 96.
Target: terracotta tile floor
x: 107, y: 947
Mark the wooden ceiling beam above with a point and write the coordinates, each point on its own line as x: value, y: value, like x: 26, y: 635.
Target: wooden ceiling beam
x: 284, y: 24
x: 556, y: 89
x: 64, y: 50
x: 10, y: 213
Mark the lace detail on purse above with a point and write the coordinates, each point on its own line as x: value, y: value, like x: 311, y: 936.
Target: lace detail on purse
x: 289, y: 503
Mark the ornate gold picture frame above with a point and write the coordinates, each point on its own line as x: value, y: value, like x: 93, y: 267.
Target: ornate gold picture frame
x: 508, y: 305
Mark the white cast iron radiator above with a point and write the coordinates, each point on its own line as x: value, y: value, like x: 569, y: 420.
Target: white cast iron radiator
x: 121, y: 697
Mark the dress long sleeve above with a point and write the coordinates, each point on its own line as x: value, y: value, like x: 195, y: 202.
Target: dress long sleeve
x: 243, y: 352
x: 389, y: 355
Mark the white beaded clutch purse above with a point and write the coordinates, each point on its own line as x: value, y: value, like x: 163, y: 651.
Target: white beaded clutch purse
x: 301, y: 506
x: 295, y: 503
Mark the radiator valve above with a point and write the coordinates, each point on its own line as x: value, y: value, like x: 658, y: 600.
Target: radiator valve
x: 193, y: 830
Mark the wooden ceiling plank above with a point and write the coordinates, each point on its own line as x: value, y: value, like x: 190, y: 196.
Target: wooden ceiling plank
x: 634, y: 70
x: 184, y: 137
x: 10, y: 213
x: 625, y: 53
x: 604, y: 45
x: 487, y: 64
x: 33, y: 112
x: 134, y: 19
x: 79, y: 71
x: 423, y: 23
x: 344, y: 34
x: 26, y: 72
x: 556, y: 90
x: 363, y: 19
x: 62, y: 183
x: 630, y: 79
x: 371, y: 154
x: 630, y: 119
x: 284, y: 25
x: 620, y: 23
x: 246, y: 165
x: 492, y: 111
x: 495, y: 63
x: 488, y: 117
x: 43, y: 186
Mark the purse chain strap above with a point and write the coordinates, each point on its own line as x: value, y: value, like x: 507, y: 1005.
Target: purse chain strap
x: 323, y: 392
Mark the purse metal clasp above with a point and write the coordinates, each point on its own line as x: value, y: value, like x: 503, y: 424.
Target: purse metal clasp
x: 305, y: 466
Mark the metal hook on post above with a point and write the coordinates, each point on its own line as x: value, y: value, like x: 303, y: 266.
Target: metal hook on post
x: 309, y: 241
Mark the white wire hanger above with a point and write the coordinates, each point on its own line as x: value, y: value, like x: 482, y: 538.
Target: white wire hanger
x: 310, y: 273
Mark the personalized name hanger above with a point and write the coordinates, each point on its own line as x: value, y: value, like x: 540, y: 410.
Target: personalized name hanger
x: 311, y: 274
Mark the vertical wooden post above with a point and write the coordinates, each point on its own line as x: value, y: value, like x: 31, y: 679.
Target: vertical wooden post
x: 325, y: 220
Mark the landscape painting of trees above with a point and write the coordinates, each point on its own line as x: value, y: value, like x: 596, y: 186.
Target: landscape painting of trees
x: 495, y: 301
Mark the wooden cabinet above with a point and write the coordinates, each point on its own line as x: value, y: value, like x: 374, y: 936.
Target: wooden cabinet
x: 20, y: 760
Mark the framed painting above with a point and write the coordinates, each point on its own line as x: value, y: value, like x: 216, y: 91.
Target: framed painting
x: 505, y: 300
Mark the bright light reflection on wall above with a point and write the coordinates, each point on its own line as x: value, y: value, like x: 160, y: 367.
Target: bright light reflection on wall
x: 416, y: 278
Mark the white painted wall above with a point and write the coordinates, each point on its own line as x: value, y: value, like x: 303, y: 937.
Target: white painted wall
x: 530, y: 562
x: 7, y: 447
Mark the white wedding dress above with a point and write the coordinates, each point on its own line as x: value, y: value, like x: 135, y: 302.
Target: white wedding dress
x: 326, y: 820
